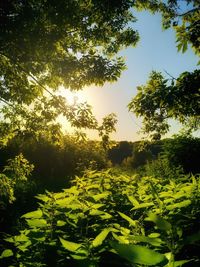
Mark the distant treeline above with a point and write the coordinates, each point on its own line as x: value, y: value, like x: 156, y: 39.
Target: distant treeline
x: 180, y: 152
x: 56, y: 162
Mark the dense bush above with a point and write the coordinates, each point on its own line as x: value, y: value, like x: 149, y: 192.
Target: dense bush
x: 111, y: 219
x: 183, y: 151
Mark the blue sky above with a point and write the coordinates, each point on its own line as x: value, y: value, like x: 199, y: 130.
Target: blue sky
x: 156, y: 50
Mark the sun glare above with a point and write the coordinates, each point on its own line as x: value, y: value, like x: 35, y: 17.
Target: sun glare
x: 72, y: 97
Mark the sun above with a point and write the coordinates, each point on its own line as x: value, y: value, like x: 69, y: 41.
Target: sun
x: 72, y: 97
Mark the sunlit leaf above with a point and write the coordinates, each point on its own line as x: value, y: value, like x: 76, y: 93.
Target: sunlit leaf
x: 181, y: 204
x: 139, y: 254
x: 180, y: 263
x: 37, y: 223
x: 128, y: 219
x: 21, y: 238
x: 44, y: 198
x: 100, y: 196
x: 34, y: 214
x: 100, y: 237
x: 121, y: 239
x: 60, y: 223
x: 133, y: 200
x: 154, y: 241
x: 65, y: 201
x: 71, y: 246
x: 6, y: 253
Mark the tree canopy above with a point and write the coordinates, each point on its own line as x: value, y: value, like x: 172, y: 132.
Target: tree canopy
x: 177, y: 98
x: 70, y: 43
x: 160, y: 100
x: 182, y: 15
x: 46, y: 44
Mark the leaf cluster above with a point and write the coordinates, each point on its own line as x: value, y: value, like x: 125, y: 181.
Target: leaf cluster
x: 16, y: 172
x: 159, y: 100
x: 147, y: 222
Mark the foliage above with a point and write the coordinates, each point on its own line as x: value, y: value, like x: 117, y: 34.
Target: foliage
x: 55, y: 162
x: 16, y: 172
x: 158, y: 101
x: 67, y: 43
x: 182, y: 16
x: 120, y: 151
x: 108, y: 216
x: 48, y: 44
x: 162, y: 167
x: 184, y: 151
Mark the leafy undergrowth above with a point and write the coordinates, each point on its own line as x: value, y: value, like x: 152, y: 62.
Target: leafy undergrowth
x: 111, y: 219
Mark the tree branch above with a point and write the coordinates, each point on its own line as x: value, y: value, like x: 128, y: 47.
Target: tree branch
x: 188, y: 12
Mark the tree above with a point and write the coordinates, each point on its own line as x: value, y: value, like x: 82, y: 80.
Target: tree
x: 182, y: 15
x: 46, y: 44
x: 120, y: 152
x: 160, y: 99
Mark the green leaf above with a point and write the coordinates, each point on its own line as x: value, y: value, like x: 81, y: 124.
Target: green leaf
x: 101, y: 237
x: 24, y: 246
x: 154, y: 235
x: 143, y: 205
x: 34, y: 214
x: 71, y: 246
x: 60, y: 223
x: 161, y: 223
x: 44, y: 198
x: 6, y: 253
x: 157, y: 242
x: 184, y: 47
x: 100, y: 196
x: 180, y: 263
x: 128, y: 219
x: 121, y: 239
x: 21, y: 238
x: 65, y: 201
x: 179, y: 205
x: 133, y: 200
x: 139, y: 254
x: 102, y: 214
x: 37, y: 223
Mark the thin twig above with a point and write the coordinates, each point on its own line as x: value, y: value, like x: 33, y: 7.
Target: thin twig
x: 170, y: 75
x: 189, y: 11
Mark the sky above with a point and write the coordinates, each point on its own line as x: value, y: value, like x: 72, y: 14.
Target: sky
x: 156, y: 50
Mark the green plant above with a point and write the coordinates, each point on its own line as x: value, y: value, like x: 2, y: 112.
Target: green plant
x: 14, y: 175
x: 103, y: 215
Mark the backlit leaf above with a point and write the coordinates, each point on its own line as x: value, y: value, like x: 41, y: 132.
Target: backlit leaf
x: 100, y: 196
x: 6, y: 253
x: 179, y: 205
x: 154, y: 241
x: 139, y: 254
x: 37, y: 223
x: 71, y: 246
x: 34, y: 214
x: 128, y: 219
x: 100, y: 237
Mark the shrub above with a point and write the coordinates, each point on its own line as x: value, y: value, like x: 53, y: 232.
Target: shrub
x: 148, y: 221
